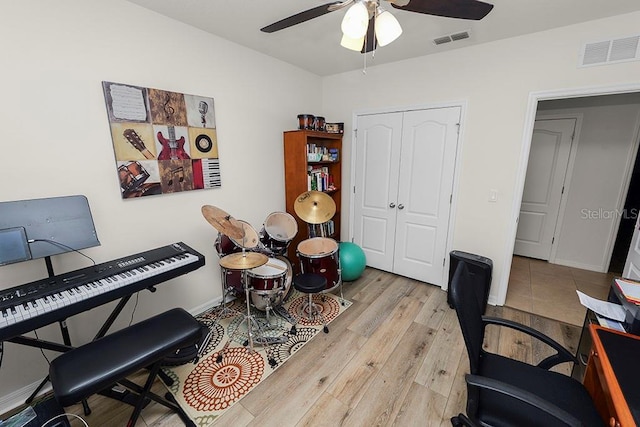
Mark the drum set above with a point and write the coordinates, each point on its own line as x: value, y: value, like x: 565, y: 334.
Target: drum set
x: 254, y: 264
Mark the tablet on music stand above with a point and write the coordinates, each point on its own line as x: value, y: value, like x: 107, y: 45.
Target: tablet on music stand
x: 13, y: 245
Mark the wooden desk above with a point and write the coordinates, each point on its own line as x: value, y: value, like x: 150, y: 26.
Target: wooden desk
x: 612, y: 376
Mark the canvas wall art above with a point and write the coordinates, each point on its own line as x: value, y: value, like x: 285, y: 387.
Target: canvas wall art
x: 164, y: 142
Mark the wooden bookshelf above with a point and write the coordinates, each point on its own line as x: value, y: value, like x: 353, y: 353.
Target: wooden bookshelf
x: 296, y: 168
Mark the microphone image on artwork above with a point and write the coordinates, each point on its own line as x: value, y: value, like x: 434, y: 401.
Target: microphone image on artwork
x: 203, y: 107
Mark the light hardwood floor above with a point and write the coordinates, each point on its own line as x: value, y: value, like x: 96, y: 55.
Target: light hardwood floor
x: 396, y: 357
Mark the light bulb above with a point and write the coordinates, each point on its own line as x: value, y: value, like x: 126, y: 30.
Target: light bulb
x: 387, y: 28
x: 355, y: 21
x: 353, y: 44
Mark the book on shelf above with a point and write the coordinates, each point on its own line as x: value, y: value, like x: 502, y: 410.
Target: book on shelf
x: 319, y: 178
x: 319, y: 153
x: 630, y: 289
x: 325, y: 229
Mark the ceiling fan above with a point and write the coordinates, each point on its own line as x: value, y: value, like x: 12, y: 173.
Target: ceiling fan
x: 366, y: 25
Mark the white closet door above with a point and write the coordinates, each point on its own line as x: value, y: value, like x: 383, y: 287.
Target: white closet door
x: 376, y: 180
x: 429, y: 141
x: 404, y: 168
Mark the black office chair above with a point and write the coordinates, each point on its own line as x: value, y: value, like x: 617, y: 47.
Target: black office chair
x: 506, y: 392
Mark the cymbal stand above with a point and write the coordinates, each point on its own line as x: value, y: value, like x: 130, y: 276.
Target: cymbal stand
x: 253, y: 326
x: 224, y: 310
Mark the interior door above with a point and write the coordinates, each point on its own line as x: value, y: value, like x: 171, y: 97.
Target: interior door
x: 427, y: 161
x: 404, y: 168
x: 632, y: 265
x: 377, y: 156
x: 546, y: 171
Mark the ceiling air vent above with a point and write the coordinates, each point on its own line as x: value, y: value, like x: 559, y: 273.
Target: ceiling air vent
x: 451, y: 37
x: 610, y: 51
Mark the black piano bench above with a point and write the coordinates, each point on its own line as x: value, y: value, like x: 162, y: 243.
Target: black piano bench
x: 98, y: 365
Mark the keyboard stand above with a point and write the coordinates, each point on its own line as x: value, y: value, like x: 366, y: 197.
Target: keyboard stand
x: 48, y: 345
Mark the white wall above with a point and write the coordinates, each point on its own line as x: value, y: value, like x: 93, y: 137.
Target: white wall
x: 56, y: 142
x: 496, y: 80
x: 595, y: 190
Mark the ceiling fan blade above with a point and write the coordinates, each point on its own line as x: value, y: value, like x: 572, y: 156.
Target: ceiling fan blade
x: 462, y: 9
x: 370, y: 40
x: 303, y: 16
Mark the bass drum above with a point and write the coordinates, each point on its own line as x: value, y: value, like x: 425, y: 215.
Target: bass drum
x: 270, y: 284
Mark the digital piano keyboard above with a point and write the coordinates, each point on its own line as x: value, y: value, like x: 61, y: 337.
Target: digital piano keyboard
x: 33, y: 305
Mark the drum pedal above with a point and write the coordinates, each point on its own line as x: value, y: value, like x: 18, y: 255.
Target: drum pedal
x: 280, y: 310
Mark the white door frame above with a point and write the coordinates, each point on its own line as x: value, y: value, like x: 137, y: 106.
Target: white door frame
x: 456, y: 174
x: 530, y: 117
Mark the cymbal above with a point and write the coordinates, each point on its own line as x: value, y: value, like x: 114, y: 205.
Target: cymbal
x: 243, y: 260
x: 223, y: 222
x: 314, y: 207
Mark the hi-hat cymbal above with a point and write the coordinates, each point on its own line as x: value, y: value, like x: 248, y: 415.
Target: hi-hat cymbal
x: 223, y: 222
x: 315, y: 207
x: 243, y: 260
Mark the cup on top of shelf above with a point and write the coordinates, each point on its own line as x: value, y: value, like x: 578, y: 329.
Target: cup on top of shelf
x: 319, y: 124
x: 306, y: 121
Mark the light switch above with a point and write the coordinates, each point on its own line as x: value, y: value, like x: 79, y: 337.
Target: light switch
x: 493, y: 195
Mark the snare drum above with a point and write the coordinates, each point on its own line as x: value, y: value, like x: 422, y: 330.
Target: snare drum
x: 320, y: 255
x: 270, y: 283
x: 278, y: 231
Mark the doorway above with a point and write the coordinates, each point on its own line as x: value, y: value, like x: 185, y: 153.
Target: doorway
x: 613, y: 233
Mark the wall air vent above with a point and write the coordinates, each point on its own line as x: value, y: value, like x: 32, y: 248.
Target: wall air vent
x: 460, y: 36
x: 451, y: 38
x: 610, y: 51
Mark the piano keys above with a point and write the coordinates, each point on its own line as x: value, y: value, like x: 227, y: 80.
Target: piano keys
x: 32, y: 305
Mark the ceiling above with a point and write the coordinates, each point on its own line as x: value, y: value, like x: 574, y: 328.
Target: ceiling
x: 315, y: 45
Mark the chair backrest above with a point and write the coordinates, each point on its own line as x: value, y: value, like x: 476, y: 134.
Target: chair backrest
x: 464, y: 297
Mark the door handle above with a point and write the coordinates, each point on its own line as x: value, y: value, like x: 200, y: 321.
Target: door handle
x: 392, y: 205
x: 401, y: 206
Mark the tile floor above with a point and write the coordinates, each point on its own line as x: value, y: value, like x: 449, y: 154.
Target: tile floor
x: 549, y: 290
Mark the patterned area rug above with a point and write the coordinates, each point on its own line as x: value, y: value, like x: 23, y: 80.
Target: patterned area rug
x: 228, y: 369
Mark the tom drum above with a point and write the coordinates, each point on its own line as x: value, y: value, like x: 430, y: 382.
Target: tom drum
x: 320, y: 255
x: 278, y: 231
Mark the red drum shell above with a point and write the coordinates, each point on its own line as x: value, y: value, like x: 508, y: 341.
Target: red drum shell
x: 225, y: 246
x: 321, y: 255
x: 268, y: 276
x: 280, y: 285
x: 278, y: 231
x: 232, y: 279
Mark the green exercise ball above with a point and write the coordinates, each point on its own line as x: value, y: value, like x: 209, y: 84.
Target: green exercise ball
x: 352, y: 261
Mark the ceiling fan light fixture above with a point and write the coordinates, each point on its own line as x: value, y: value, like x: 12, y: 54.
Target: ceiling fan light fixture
x: 355, y: 21
x: 387, y: 28
x: 352, y: 44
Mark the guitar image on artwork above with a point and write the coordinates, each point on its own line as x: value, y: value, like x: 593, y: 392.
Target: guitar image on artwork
x: 135, y: 140
x: 172, y: 149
